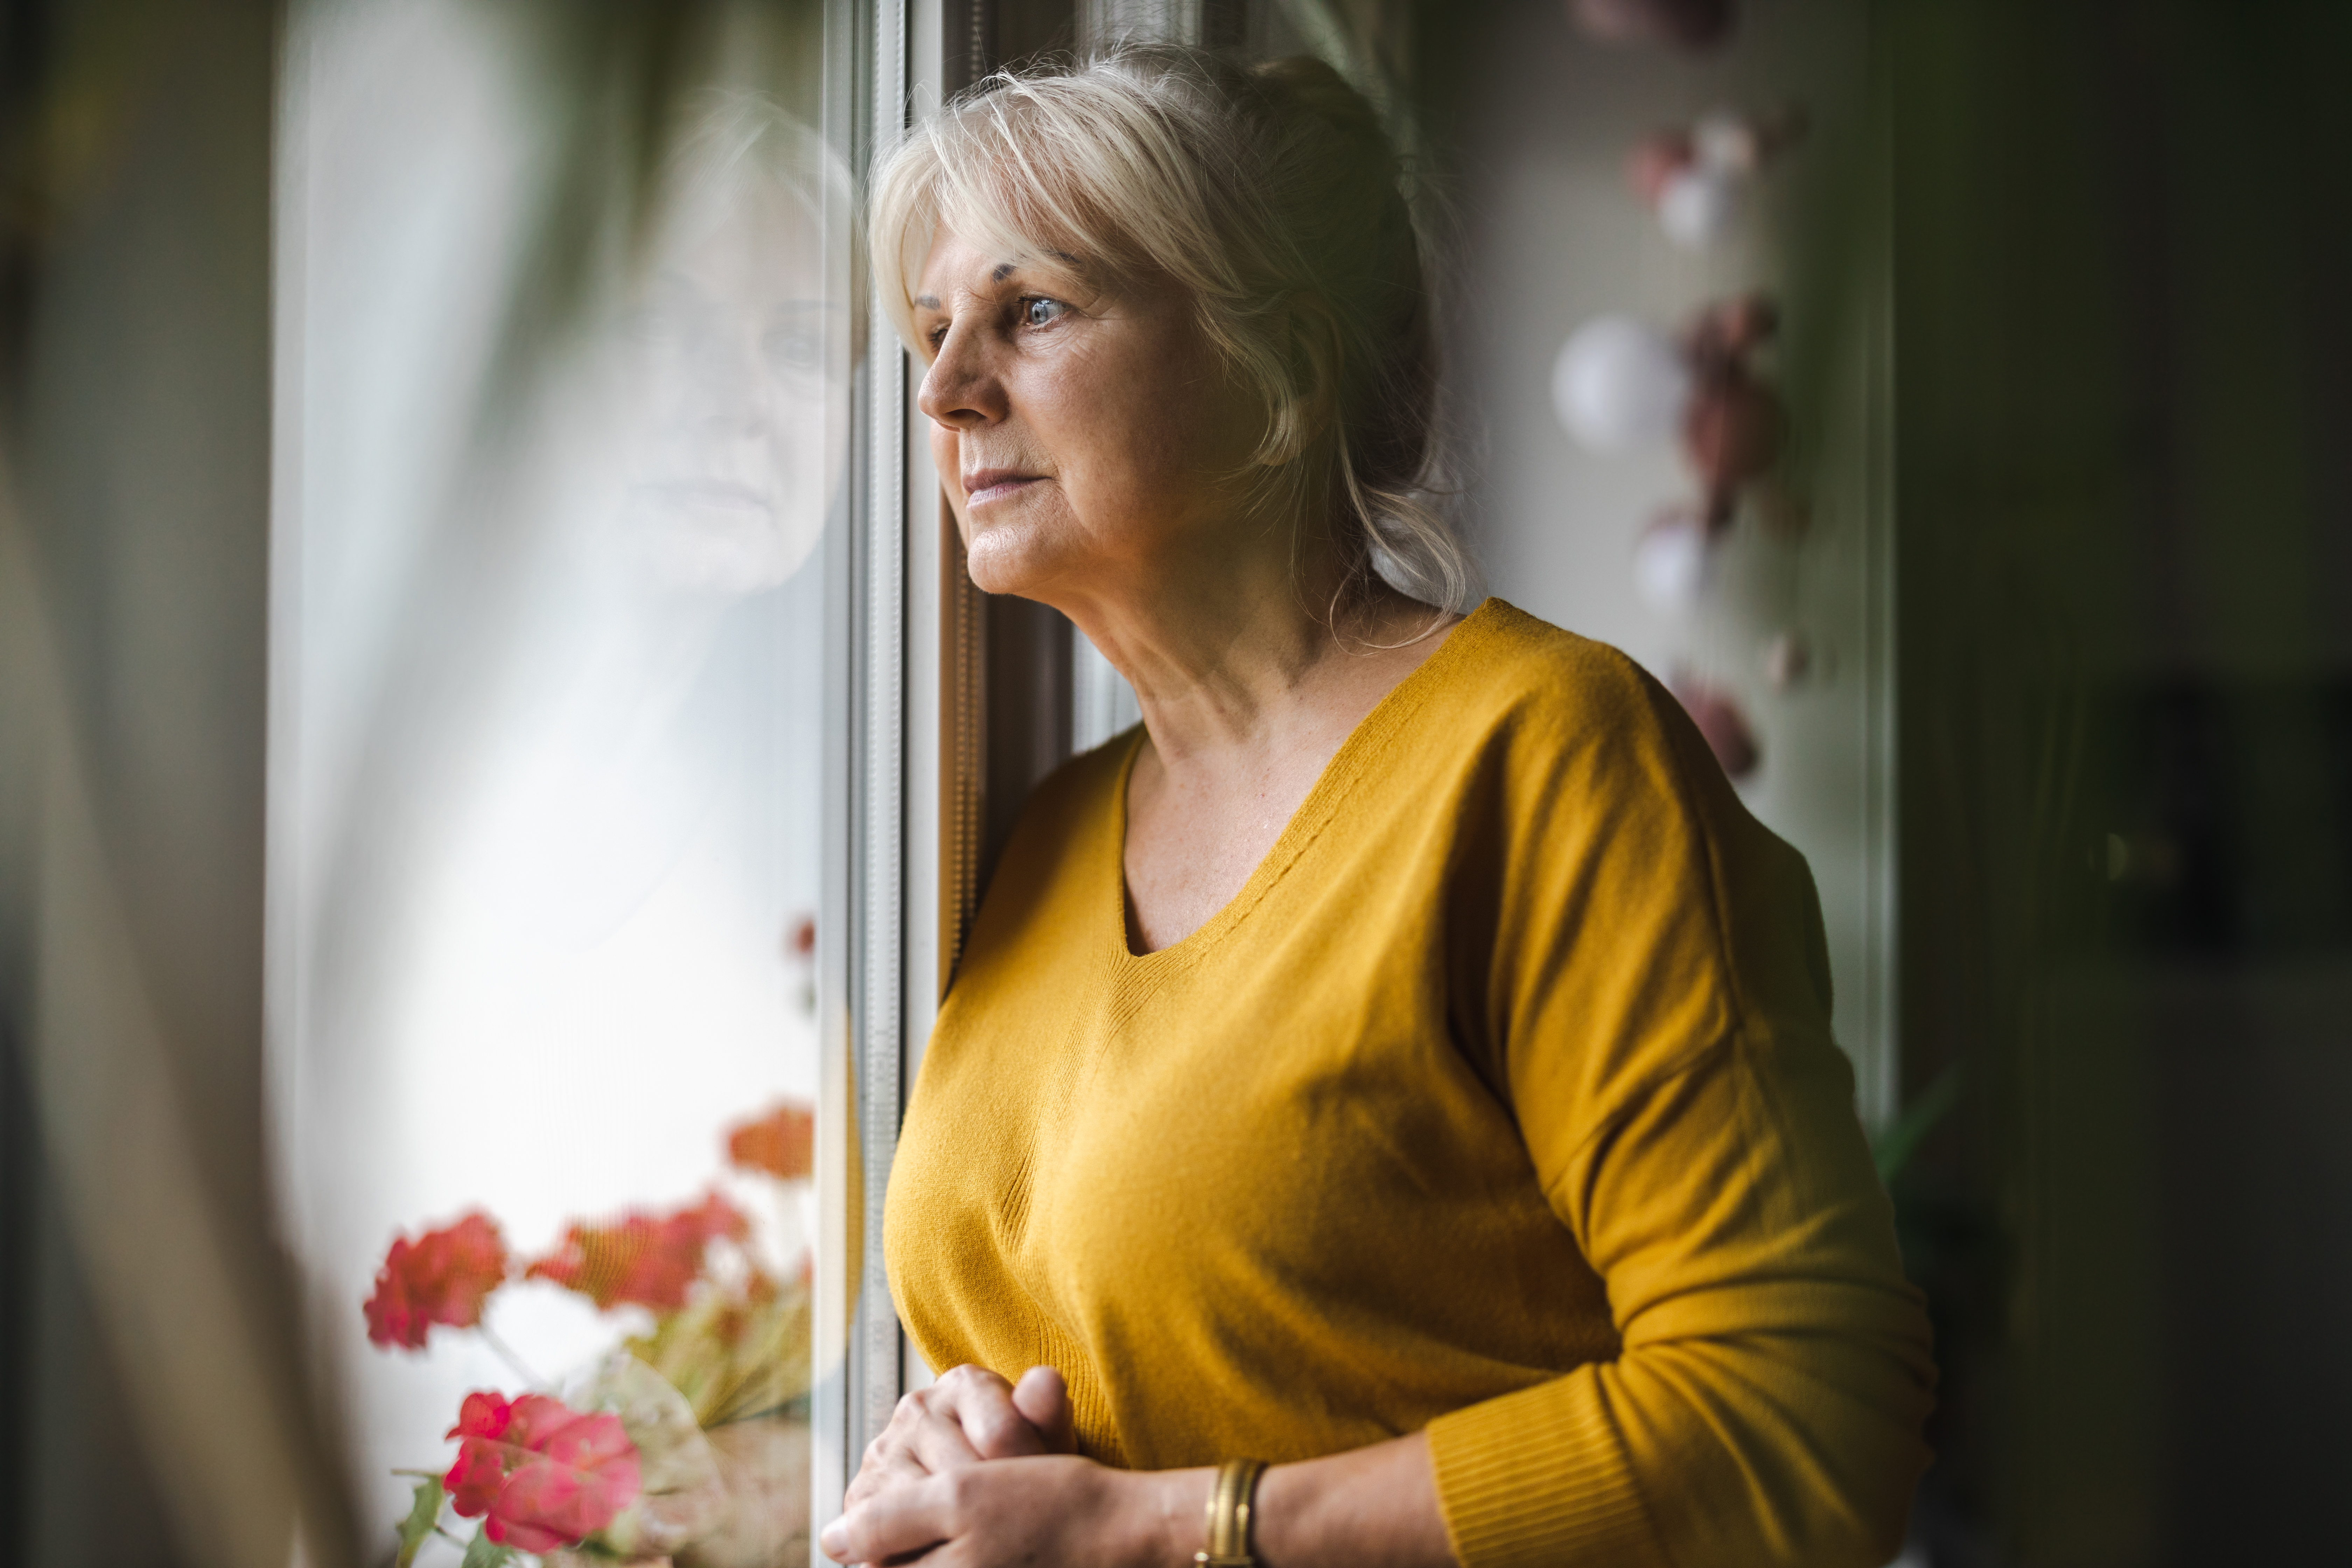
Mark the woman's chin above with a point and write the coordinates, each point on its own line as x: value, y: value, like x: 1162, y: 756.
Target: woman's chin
x: 1002, y: 560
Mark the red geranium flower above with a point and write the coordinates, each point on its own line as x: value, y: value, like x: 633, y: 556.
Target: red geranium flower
x: 646, y: 1258
x: 547, y: 1475
x: 782, y: 1142
x: 441, y: 1277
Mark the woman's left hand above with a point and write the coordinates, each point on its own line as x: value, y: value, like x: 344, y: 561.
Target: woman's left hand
x: 968, y: 1415
x: 1054, y: 1509
x: 944, y: 1483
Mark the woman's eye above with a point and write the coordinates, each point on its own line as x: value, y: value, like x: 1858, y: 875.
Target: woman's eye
x: 1041, y: 312
x: 791, y: 350
x: 657, y: 328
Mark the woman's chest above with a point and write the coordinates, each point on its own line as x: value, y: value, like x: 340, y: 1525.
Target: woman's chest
x: 1192, y: 844
x: 1293, y: 1122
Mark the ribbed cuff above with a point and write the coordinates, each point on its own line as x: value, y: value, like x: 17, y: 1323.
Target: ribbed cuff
x: 1539, y: 1477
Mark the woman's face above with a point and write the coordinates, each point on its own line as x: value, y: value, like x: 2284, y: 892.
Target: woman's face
x: 1086, y: 442
x: 733, y: 365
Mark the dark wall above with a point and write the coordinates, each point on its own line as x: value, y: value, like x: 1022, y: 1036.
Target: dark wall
x: 2121, y: 241
x: 2125, y: 522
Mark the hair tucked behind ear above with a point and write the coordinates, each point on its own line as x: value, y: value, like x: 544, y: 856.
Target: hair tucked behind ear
x: 1274, y: 197
x: 1336, y: 182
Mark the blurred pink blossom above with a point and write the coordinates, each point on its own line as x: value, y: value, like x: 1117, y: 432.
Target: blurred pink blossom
x: 441, y: 1277
x: 545, y: 1475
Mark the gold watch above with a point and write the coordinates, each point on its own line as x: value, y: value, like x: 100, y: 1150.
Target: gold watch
x: 1229, y: 1516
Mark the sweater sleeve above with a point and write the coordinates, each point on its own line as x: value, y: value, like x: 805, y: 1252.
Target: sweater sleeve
x: 1657, y: 1004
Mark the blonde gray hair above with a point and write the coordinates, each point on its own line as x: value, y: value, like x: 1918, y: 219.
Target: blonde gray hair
x: 1261, y: 194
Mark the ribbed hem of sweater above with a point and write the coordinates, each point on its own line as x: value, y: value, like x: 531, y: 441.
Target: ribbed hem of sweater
x: 1539, y: 1477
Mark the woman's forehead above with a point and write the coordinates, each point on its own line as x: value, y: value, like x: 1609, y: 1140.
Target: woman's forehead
x: 957, y: 264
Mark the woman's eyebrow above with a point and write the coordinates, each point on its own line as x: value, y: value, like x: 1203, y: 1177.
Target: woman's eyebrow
x: 1007, y: 269
x: 997, y: 274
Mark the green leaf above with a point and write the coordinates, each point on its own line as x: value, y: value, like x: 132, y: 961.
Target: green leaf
x: 423, y: 1514
x: 483, y: 1552
x: 734, y: 1351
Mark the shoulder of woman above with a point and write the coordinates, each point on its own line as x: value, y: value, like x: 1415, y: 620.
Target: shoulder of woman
x: 1558, y: 702
x: 1610, y: 797
x: 1593, y: 754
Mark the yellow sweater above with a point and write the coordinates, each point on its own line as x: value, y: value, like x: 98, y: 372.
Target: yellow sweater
x: 1501, y: 1102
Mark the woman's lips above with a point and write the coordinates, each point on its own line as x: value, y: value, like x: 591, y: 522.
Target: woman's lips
x: 714, y: 496
x: 995, y: 485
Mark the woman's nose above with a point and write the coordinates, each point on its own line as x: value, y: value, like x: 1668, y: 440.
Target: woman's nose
x: 960, y: 391
x: 728, y: 391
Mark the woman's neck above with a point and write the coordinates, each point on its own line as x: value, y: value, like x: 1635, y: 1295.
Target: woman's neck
x: 1224, y: 664
x: 1247, y: 695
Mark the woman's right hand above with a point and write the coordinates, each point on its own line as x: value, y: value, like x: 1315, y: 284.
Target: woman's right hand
x: 968, y: 1414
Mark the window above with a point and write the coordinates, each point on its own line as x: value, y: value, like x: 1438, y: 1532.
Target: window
x: 570, y: 633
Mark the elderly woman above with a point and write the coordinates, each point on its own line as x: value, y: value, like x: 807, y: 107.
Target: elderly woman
x: 1400, y: 1061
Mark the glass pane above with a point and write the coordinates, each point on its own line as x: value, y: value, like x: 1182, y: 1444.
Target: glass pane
x: 563, y: 448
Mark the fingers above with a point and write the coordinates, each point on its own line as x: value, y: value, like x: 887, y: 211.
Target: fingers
x: 981, y: 1404
x: 1042, y: 1400
x: 967, y: 1416
x: 889, y: 1461
x: 1054, y: 1509
x: 924, y: 1436
x: 896, y: 1522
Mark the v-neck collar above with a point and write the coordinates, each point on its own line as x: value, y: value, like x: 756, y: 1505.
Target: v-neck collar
x: 1363, y: 745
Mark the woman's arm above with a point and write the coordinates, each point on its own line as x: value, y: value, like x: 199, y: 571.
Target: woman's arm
x: 1376, y: 1507
x: 924, y: 1486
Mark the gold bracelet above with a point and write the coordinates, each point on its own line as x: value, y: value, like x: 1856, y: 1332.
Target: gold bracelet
x: 1229, y: 1516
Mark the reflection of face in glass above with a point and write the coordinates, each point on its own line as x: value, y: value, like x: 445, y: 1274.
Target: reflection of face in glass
x: 700, y: 477
x: 733, y: 456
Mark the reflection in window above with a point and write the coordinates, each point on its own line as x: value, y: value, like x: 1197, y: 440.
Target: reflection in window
x: 553, y: 498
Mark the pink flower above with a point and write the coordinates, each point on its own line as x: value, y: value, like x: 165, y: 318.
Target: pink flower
x: 545, y: 1474
x: 443, y: 1277
x: 646, y: 1259
x: 782, y: 1142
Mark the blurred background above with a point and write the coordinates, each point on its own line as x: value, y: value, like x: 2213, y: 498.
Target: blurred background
x: 469, y: 614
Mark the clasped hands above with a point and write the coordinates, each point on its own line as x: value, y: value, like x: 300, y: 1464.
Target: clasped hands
x: 974, y: 1472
